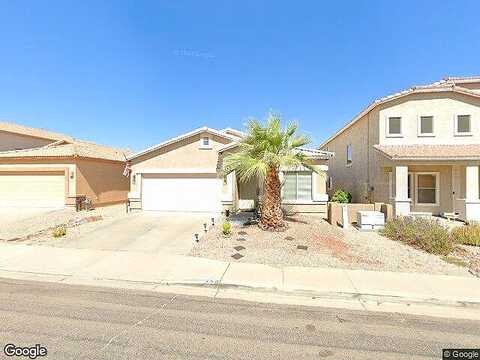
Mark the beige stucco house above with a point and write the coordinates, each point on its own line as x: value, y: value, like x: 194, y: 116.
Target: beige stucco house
x: 39, y: 168
x: 186, y: 174
x: 418, y: 149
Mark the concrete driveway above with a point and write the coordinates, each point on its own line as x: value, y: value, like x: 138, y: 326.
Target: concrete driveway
x: 12, y: 214
x: 149, y: 232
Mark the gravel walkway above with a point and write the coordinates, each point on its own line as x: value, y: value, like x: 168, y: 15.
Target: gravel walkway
x: 326, y: 246
x: 18, y: 225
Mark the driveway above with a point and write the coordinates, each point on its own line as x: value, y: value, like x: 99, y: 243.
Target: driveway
x: 149, y: 232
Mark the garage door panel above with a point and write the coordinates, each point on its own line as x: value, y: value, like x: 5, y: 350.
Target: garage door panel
x: 32, y: 190
x: 192, y: 193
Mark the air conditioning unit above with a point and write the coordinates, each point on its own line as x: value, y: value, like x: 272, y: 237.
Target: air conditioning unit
x: 370, y: 220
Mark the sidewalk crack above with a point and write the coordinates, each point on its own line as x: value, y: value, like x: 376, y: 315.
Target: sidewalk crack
x: 356, y: 291
x: 220, y: 282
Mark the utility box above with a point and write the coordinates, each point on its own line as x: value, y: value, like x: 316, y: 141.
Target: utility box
x: 370, y: 220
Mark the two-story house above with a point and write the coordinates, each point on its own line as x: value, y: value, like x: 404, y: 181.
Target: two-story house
x: 418, y: 149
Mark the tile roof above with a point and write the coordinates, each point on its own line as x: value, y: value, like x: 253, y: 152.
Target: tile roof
x: 63, y: 146
x: 446, y: 85
x: 29, y: 131
x: 430, y: 152
x: 75, y: 149
x: 313, y: 153
x: 183, y: 137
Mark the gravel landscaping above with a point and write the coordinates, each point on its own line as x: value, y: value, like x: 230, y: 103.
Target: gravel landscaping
x: 22, y: 226
x: 311, y: 241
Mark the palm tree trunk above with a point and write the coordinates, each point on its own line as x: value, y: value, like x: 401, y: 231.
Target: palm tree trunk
x: 272, y: 214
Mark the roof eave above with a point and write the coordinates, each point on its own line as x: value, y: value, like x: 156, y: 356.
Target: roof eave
x: 386, y: 99
x: 180, y: 138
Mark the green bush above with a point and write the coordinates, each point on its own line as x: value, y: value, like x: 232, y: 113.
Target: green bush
x: 421, y: 233
x: 226, y: 228
x: 59, y: 231
x: 342, y: 196
x: 467, y: 235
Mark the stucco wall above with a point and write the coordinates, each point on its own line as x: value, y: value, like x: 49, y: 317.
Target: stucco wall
x: 186, y: 154
x: 443, y: 107
x: 368, y: 170
x: 353, y: 177
x: 11, y: 141
x: 102, y: 181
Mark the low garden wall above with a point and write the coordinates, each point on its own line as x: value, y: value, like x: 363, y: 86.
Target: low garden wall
x: 335, y: 211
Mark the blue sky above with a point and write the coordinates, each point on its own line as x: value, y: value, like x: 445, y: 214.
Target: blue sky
x: 134, y: 73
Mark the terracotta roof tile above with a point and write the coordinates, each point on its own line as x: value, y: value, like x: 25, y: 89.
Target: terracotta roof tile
x: 75, y: 149
x: 430, y: 152
x: 63, y: 146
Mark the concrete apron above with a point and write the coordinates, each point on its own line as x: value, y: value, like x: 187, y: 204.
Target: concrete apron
x: 421, y: 294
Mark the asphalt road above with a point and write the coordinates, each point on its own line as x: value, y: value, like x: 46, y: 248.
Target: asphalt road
x: 76, y: 322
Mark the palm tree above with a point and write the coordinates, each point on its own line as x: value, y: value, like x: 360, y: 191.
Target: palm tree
x: 262, y: 152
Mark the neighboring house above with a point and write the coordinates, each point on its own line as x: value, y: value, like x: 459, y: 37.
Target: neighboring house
x: 186, y: 174
x: 418, y: 149
x: 39, y: 168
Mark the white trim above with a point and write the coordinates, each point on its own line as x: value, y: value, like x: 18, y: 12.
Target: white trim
x: 180, y: 138
x: 202, y: 146
x: 387, y: 126
x: 419, y: 126
x: 437, y: 188
x: 455, y: 122
x: 176, y: 171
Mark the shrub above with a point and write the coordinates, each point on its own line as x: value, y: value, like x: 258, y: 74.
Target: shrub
x: 342, y: 196
x: 421, y: 233
x: 59, y: 231
x: 226, y: 228
x: 467, y: 235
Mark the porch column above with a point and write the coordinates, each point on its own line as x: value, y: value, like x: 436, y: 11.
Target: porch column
x: 402, y: 202
x: 472, y: 201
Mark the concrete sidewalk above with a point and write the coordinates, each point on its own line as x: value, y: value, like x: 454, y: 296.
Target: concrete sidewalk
x: 438, y: 295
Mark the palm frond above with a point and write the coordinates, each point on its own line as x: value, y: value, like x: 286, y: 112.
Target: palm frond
x: 268, y: 146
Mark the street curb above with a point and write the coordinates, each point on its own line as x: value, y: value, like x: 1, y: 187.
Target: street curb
x: 218, y: 286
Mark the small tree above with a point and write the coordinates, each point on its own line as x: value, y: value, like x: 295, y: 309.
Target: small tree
x: 262, y: 152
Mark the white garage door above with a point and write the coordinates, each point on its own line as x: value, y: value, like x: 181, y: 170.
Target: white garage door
x: 186, y: 193
x: 32, y: 190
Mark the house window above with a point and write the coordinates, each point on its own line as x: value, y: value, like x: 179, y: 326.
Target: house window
x: 463, y: 125
x: 394, y: 126
x: 205, y: 142
x: 426, y: 126
x: 349, y: 154
x: 427, y: 189
x: 297, y: 186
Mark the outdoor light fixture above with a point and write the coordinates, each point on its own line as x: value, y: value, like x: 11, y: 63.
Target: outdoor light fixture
x: 196, y: 237
x: 205, y: 227
x: 213, y: 221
